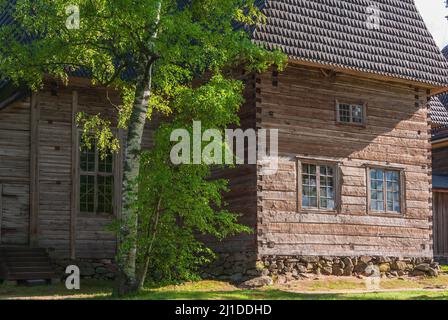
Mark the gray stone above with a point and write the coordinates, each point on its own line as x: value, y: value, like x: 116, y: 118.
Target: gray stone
x: 258, y: 282
x: 309, y: 259
x: 326, y: 270
x: 101, y: 270
x: 302, y: 269
x: 360, y: 267
x: 399, y: 265
x: 337, y: 271
x: 423, y: 267
x: 365, y: 259
x: 418, y: 273
x: 432, y: 272
x: 348, y: 270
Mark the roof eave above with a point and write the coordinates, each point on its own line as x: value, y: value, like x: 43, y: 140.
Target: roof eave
x: 434, y: 88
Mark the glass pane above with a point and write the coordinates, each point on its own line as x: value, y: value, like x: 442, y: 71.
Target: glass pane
x: 344, y: 113
x: 105, y: 194
x: 87, y: 194
x: 326, y: 187
x: 393, y: 191
x: 357, y: 114
x: 87, y: 159
x: 105, y: 165
x: 309, y: 186
x: 377, y: 190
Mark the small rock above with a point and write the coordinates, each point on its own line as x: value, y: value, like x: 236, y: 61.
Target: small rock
x: 384, y: 267
x: 326, y: 270
x: 302, y: 268
x: 365, y: 259
x: 425, y: 267
x: 258, y: 282
x: 337, y: 271
x: 432, y: 272
x: 399, y: 265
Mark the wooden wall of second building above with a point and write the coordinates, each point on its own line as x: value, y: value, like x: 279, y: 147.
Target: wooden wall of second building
x: 15, y: 173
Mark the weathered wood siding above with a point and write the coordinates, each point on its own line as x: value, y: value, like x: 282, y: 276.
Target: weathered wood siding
x: 440, y: 161
x: 61, y: 227
x: 301, y: 103
x: 441, y: 224
x: 15, y: 173
x: 242, y: 197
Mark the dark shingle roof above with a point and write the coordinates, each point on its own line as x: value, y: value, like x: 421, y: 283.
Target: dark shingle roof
x: 335, y: 33
x: 439, y: 113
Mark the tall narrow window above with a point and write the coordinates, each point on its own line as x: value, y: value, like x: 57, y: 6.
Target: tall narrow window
x: 385, y: 190
x: 318, y: 186
x: 351, y: 113
x: 96, y: 182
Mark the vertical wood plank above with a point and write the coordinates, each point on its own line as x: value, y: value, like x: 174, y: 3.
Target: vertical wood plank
x: 74, y: 161
x: 1, y: 211
x: 34, y: 169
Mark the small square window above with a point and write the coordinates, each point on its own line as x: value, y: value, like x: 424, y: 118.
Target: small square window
x: 351, y: 113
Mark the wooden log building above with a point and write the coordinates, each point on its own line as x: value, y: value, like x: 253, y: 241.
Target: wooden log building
x: 354, y: 179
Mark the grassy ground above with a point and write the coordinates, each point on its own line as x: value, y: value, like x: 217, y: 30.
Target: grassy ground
x: 327, y: 288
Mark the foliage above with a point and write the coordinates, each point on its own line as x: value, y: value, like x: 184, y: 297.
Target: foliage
x: 116, y: 40
x: 151, y: 51
x: 180, y: 202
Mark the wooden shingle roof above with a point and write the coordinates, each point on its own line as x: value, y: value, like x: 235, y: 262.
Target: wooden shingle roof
x: 439, y: 113
x: 336, y: 33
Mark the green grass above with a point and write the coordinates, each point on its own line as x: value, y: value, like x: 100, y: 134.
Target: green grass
x: 323, y: 289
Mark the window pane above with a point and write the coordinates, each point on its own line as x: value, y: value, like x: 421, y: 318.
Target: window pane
x: 326, y: 187
x: 105, y: 165
x: 344, y: 113
x: 393, y: 191
x: 309, y: 186
x: 105, y: 194
x: 87, y: 159
x: 87, y: 194
x: 377, y: 190
x: 357, y: 114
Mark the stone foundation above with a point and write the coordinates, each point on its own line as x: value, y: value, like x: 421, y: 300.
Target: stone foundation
x: 293, y: 267
x: 239, y: 267
x: 236, y: 267
x: 103, y: 269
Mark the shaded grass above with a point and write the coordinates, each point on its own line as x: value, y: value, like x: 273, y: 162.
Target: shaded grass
x: 323, y: 289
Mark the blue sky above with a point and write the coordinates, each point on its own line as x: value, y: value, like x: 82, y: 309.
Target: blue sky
x: 434, y: 12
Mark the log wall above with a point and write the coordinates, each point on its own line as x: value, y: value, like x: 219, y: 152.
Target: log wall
x: 15, y: 173
x: 301, y: 103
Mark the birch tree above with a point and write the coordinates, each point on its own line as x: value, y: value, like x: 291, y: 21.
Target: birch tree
x: 146, y: 49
